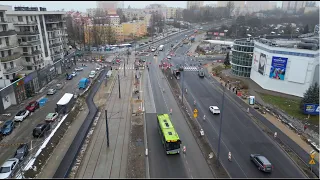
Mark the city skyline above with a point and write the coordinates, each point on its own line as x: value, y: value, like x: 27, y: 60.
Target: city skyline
x: 83, y: 5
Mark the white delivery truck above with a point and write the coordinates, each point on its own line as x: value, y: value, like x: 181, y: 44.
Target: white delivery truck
x: 161, y: 47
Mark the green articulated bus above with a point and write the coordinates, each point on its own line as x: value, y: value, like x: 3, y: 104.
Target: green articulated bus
x: 170, y: 138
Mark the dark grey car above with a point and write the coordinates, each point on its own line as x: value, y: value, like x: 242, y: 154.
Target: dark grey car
x: 41, y: 129
x: 22, y: 152
x: 261, y: 162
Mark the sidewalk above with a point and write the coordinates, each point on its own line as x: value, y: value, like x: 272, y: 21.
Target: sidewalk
x: 60, y: 150
x: 101, y: 161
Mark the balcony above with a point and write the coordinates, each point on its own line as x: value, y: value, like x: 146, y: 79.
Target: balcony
x: 28, y: 33
x: 13, y: 57
x: 30, y: 43
x: 49, y: 29
x: 8, y: 33
x: 7, y: 47
x: 35, y: 63
x: 4, y: 20
x: 12, y: 70
x: 54, y: 37
x: 55, y: 45
x: 56, y: 58
x: 54, y: 20
x: 28, y: 23
x: 34, y: 53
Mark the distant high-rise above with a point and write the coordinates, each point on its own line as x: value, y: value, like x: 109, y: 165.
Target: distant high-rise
x: 196, y: 4
x: 294, y: 5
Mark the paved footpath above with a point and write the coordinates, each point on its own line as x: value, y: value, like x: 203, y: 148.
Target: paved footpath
x: 99, y: 160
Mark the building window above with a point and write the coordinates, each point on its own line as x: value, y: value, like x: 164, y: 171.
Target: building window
x: 27, y: 59
x: 7, y: 77
x: 29, y: 67
x: 20, y: 18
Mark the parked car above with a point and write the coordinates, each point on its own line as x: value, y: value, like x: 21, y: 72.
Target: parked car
x: 7, y: 169
x: 33, y: 105
x: 214, y: 109
x: 69, y: 77
x: 78, y: 69
x: 51, y: 117
x: 59, y: 86
x: 51, y: 91
x: 92, y: 74
x: 261, y: 162
x: 98, y: 68
x: 169, y: 57
x: 41, y: 129
x: 74, y: 73
x: 22, y: 152
x: 21, y: 115
x: 8, y: 127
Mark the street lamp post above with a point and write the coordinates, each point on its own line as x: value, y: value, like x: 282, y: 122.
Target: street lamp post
x: 221, y: 116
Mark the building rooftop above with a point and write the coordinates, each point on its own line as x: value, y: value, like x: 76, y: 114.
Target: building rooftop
x: 29, y: 10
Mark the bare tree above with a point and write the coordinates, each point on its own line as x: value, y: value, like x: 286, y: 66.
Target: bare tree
x: 230, y: 8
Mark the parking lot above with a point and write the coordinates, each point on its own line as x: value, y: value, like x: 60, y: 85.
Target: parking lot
x: 22, y: 133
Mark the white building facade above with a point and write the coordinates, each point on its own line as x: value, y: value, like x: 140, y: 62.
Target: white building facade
x: 286, y: 70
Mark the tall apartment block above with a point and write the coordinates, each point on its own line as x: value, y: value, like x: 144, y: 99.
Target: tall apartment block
x: 30, y: 39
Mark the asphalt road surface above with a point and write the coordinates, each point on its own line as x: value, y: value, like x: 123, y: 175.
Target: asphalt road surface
x: 23, y: 131
x: 191, y: 165
x: 239, y: 134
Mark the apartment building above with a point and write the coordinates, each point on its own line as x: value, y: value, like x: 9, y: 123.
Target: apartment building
x: 114, y: 19
x: 110, y: 6
x: 30, y: 39
x: 130, y: 13
x: 294, y: 6
x: 197, y: 4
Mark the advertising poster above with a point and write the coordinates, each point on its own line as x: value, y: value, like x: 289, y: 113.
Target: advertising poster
x: 312, y: 109
x: 262, y: 63
x: 278, y: 67
x: 255, y: 61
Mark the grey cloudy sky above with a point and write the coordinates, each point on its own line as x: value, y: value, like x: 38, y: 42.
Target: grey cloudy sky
x: 83, y: 5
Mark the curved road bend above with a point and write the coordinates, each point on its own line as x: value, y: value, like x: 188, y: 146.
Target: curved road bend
x: 68, y: 160
x: 239, y: 134
x: 193, y: 164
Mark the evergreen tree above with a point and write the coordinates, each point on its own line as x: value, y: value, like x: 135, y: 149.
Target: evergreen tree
x: 306, y: 29
x: 310, y: 96
x: 226, y: 60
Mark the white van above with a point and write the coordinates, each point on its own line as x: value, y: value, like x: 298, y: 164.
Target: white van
x: 161, y: 47
x: 92, y: 74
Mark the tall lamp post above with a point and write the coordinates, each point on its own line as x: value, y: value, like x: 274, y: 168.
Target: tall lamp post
x: 221, y: 116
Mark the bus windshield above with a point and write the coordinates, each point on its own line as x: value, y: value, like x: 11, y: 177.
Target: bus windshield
x: 172, y: 146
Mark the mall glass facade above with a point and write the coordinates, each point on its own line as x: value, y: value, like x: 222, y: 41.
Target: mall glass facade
x: 241, y: 60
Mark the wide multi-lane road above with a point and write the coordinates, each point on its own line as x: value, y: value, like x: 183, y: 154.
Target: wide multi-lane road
x: 240, y: 135
x: 191, y: 165
x: 23, y: 131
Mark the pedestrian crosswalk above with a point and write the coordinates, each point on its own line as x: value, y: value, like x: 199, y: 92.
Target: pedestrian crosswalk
x: 190, y: 68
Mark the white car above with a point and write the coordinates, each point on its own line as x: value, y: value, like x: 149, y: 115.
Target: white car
x: 214, y: 109
x: 7, y: 168
x: 51, y: 117
x: 73, y: 74
x: 92, y: 74
x: 98, y: 68
x: 169, y: 57
x: 78, y: 69
x: 21, y: 115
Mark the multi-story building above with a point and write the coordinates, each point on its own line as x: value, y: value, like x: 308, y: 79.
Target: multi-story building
x: 241, y: 60
x: 114, y: 19
x: 134, y: 29
x: 196, y: 4
x: 256, y: 6
x: 41, y: 36
x: 157, y: 8
x: 286, y: 66
x: 294, y: 6
x: 171, y: 13
x: 132, y: 14
x: 110, y: 6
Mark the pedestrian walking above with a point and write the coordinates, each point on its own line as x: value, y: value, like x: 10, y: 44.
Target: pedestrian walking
x: 305, y: 127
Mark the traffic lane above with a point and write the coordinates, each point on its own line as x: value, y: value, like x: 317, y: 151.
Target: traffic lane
x: 23, y: 132
x: 194, y: 161
x: 174, y: 167
x: 235, y: 134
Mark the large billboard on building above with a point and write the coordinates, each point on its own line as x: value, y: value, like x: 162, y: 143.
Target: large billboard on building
x: 312, y: 109
x: 278, y: 67
x: 262, y: 63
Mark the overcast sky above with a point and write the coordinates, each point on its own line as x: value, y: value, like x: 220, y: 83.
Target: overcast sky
x: 83, y: 5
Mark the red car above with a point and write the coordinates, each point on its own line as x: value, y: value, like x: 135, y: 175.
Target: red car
x: 33, y: 105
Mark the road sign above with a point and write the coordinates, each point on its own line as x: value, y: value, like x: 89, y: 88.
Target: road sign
x: 195, y: 110
x: 195, y: 115
x: 312, y: 155
x: 312, y: 162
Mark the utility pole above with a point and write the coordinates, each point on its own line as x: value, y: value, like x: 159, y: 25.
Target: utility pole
x: 119, y: 85
x: 182, y: 79
x: 124, y: 67
x: 107, y: 127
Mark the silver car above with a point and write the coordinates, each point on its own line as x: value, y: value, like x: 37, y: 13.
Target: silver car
x: 7, y: 169
x: 51, y: 91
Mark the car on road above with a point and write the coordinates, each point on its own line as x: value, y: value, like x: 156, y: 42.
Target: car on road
x: 168, y: 57
x: 8, y: 127
x: 69, y: 77
x: 74, y: 73
x: 98, y: 68
x: 22, y: 152
x: 78, y: 69
x: 92, y: 74
x: 8, y: 168
x: 32, y: 106
x: 51, y: 91
x: 214, y: 109
x: 21, y: 115
x: 181, y: 45
x: 59, y: 86
x: 41, y: 129
x: 51, y: 117
x: 261, y: 162
x: 141, y: 44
